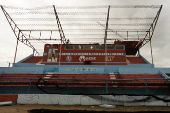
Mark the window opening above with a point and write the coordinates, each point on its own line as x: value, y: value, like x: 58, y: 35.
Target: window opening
x: 79, y: 47
x: 69, y: 47
x: 110, y: 46
x: 99, y: 47
x: 89, y: 47
x: 119, y: 47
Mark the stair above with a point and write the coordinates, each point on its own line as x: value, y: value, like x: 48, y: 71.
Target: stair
x: 113, y: 76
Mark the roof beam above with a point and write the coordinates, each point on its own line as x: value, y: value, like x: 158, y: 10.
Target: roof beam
x: 152, y: 28
x: 17, y: 32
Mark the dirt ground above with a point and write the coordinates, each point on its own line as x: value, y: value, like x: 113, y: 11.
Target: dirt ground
x: 24, y: 108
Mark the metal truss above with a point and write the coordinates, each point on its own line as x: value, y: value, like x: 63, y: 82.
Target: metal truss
x: 80, y: 24
x: 151, y: 30
x: 18, y: 33
x: 62, y: 36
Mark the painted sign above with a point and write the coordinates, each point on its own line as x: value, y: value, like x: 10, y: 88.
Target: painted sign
x: 83, y: 58
x: 68, y: 58
x: 52, y: 55
x: 109, y: 58
x: 81, y: 69
x: 46, y: 70
x: 93, y: 54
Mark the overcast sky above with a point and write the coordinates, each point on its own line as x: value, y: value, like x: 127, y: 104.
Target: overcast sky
x: 160, y: 40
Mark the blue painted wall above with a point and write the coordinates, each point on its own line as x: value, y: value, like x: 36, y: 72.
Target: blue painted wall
x: 138, y: 71
x: 164, y: 75
x: 143, y: 70
x: 32, y: 68
x: 165, y: 70
x: 24, y: 70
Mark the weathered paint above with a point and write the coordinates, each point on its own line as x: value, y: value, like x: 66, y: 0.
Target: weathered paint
x: 11, y: 97
x: 26, y: 58
x: 76, y: 56
x: 32, y: 68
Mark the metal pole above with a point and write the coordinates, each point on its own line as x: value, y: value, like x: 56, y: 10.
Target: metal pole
x: 151, y: 47
x: 106, y: 36
x: 146, y: 87
x: 67, y: 84
x: 16, y: 51
x: 138, y: 35
x: 29, y: 86
x: 60, y: 51
x: 151, y: 51
x: 60, y: 30
x: 8, y: 64
x: 106, y: 87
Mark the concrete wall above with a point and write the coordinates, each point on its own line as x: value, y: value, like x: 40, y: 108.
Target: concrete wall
x: 123, y: 100
x: 25, y: 58
x: 142, y: 70
x: 139, y: 71
x: 25, y: 70
x: 74, y: 69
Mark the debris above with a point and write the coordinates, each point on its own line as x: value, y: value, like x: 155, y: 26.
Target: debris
x: 107, y: 106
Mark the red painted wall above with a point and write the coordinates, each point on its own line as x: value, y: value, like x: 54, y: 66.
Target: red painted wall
x: 12, y: 98
x: 34, y: 59
x: 113, y: 58
x: 136, y: 60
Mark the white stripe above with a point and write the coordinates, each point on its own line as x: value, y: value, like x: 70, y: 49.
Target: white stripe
x: 46, y: 77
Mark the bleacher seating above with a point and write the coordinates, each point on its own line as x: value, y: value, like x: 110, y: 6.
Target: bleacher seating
x: 82, y: 82
x: 55, y: 76
x: 136, y: 60
x: 142, y: 76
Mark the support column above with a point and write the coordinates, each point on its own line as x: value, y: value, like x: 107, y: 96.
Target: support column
x: 62, y: 36
x: 151, y: 51
x: 16, y: 51
x: 105, y: 45
x: 138, y: 52
x: 33, y: 51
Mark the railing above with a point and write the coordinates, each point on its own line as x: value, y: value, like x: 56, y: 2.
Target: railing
x: 106, y: 82
x: 164, y: 75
